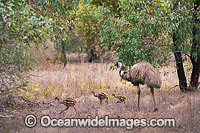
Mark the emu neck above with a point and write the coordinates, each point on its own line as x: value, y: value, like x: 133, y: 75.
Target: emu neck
x: 124, y: 74
x: 121, y: 71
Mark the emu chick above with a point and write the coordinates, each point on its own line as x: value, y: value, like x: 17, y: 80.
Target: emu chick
x: 121, y: 98
x: 69, y: 102
x: 101, y: 96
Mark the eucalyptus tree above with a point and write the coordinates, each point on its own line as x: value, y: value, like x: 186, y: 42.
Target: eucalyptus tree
x: 151, y: 30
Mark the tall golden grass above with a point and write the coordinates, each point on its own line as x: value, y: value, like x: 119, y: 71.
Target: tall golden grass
x: 78, y: 78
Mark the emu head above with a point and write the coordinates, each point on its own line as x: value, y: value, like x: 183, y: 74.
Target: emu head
x: 118, y: 64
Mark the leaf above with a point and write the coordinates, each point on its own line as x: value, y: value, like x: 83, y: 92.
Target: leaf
x: 111, y: 68
x: 25, y: 37
x: 23, y: 88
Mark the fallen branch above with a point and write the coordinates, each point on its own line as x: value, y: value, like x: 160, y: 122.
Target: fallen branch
x: 6, y: 116
x: 49, y: 105
x: 28, y: 100
x: 173, y: 87
x: 37, y: 75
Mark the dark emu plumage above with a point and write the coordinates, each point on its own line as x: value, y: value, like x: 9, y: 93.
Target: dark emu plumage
x: 141, y: 73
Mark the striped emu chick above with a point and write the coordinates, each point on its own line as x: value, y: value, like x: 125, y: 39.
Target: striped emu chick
x: 121, y: 98
x: 101, y: 96
x: 69, y: 102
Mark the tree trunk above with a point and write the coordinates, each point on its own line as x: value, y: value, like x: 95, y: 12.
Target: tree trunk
x: 195, y: 74
x: 179, y: 65
x: 63, y: 54
x: 92, y: 56
x: 195, y: 49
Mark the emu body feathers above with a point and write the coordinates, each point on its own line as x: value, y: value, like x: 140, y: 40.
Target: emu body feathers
x: 142, y: 73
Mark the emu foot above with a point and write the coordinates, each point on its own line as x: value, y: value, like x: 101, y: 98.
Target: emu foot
x: 155, y: 110
x: 138, y: 109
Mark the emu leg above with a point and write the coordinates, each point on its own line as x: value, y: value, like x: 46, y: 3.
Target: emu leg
x: 75, y: 109
x: 100, y: 101
x: 138, y: 92
x: 64, y: 110
x: 152, y: 92
x: 107, y: 100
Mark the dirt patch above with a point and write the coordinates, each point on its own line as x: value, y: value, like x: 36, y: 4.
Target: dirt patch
x: 185, y: 108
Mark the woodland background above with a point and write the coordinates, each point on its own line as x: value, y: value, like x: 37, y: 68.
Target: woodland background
x: 67, y: 48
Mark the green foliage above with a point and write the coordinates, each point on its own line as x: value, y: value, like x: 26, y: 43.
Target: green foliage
x: 144, y: 30
x: 89, y: 20
x: 21, y: 29
x: 62, y: 15
x: 20, y: 21
x: 88, y: 25
x: 139, y: 34
x: 112, y: 5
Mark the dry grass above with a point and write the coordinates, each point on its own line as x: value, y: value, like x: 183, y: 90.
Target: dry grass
x: 74, y: 79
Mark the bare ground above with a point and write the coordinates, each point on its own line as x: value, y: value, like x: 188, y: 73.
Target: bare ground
x: 77, y: 80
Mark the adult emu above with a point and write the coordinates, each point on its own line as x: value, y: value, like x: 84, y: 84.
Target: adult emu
x: 141, y: 73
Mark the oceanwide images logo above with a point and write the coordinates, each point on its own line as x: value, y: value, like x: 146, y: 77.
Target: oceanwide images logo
x: 30, y: 121
x: 129, y: 123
